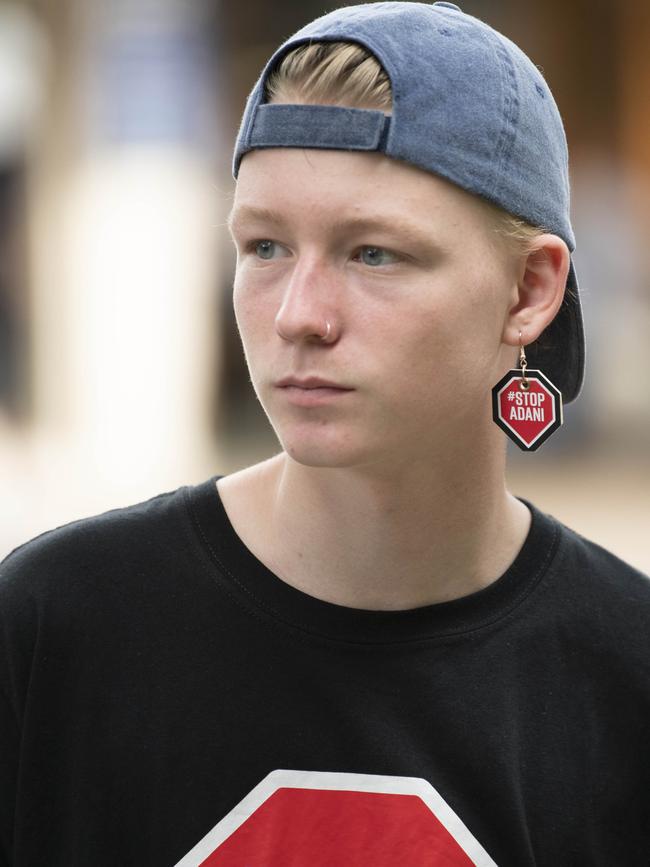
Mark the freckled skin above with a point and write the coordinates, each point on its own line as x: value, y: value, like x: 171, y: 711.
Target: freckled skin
x: 418, y: 336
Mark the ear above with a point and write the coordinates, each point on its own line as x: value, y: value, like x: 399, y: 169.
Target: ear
x: 539, y: 292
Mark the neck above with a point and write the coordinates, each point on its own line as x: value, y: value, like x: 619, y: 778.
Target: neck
x: 391, y: 538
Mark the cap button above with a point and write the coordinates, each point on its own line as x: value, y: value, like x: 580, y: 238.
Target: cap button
x: 447, y: 5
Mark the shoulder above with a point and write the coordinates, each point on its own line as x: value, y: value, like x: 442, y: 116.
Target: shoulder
x: 595, y: 571
x: 78, y: 553
x: 600, y: 603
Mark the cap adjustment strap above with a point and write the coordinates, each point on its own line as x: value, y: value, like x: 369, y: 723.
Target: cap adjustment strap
x: 319, y: 126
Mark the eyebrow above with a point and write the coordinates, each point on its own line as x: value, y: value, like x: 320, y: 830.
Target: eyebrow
x: 251, y: 213
x: 385, y: 223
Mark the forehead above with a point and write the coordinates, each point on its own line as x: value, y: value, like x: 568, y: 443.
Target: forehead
x: 312, y: 184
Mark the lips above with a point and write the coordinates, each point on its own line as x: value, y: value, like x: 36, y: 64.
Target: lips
x: 312, y: 392
x: 311, y: 382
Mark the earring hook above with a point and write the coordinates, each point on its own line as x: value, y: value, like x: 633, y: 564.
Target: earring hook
x: 525, y: 383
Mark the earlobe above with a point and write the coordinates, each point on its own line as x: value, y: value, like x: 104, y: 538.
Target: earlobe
x: 540, y: 290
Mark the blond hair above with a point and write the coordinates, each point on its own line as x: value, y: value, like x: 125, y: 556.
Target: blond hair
x: 344, y: 73
x: 330, y: 73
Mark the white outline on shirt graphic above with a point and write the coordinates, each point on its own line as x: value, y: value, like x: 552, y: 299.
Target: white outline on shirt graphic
x: 343, y: 782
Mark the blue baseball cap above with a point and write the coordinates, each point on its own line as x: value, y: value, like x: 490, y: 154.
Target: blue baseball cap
x: 467, y: 105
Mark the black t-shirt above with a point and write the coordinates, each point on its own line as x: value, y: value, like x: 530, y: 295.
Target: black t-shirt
x: 165, y: 699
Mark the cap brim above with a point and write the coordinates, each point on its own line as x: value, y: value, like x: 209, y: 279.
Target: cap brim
x: 559, y: 352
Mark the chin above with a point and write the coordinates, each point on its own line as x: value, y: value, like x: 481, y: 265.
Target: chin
x: 321, y: 449
x: 320, y: 455
x: 335, y: 440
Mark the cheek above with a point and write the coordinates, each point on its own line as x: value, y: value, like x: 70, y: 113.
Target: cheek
x: 254, y: 311
x: 450, y: 346
x: 243, y: 307
x: 437, y: 327
x: 249, y: 326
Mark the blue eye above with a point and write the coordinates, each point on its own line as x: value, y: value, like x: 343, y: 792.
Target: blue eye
x: 376, y: 256
x: 264, y: 249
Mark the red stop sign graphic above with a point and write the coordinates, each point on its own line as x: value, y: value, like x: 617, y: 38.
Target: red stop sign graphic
x: 318, y: 819
x: 296, y: 827
x: 527, y: 415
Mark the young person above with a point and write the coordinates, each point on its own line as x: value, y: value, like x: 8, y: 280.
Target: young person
x: 365, y: 650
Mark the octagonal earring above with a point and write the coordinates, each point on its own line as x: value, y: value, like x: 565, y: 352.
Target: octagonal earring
x: 526, y: 405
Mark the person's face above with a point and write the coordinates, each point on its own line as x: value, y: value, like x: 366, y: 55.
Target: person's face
x: 407, y: 270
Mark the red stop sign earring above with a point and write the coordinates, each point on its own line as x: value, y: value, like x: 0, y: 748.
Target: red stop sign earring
x: 526, y: 405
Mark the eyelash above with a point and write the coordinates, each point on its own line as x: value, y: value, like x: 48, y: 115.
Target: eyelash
x: 251, y: 247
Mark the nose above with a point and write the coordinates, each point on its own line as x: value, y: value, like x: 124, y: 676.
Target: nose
x: 309, y: 311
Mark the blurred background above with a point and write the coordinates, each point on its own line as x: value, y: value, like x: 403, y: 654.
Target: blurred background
x: 121, y: 372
